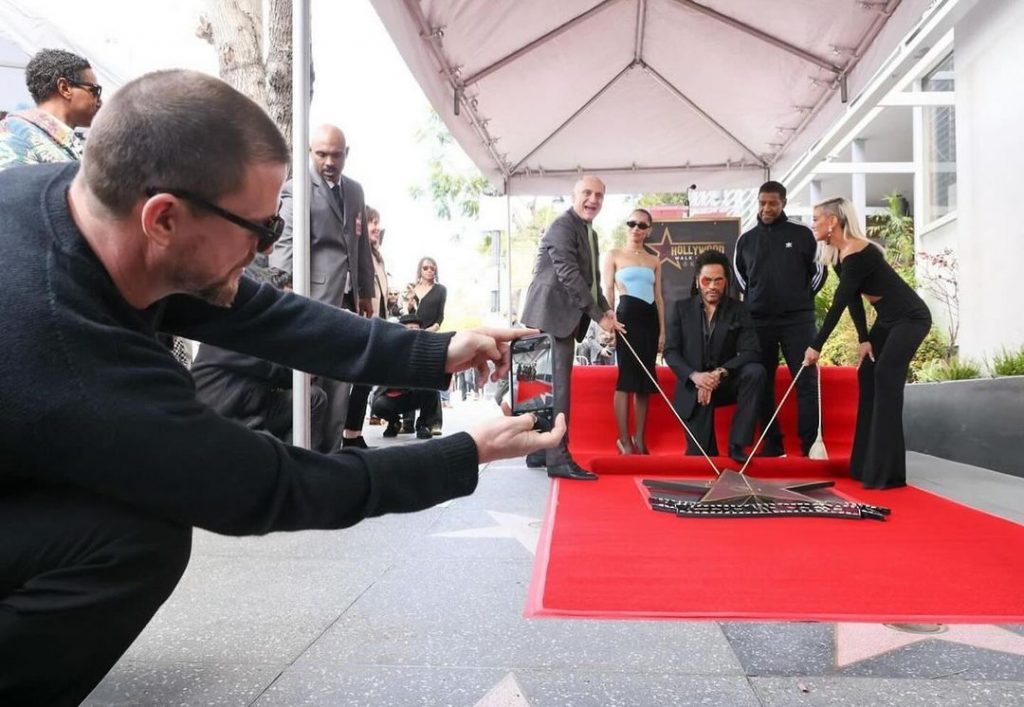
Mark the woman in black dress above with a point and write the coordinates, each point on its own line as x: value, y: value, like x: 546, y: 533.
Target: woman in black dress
x: 431, y: 294
x: 635, y: 274
x: 879, y: 456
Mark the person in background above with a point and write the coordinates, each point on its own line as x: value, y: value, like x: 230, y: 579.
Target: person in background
x: 390, y: 404
x: 598, y: 346
x: 431, y: 297
x: 635, y: 274
x: 340, y: 263
x: 64, y: 87
x: 879, y: 456
x: 776, y: 268
x: 255, y: 392
x: 380, y: 273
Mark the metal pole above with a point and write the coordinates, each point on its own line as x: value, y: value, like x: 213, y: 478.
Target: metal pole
x: 508, y: 253
x: 301, y: 50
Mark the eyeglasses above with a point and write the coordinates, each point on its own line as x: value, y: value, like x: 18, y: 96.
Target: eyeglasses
x: 642, y: 225
x: 94, y: 88
x: 266, y: 232
x: 709, y: 281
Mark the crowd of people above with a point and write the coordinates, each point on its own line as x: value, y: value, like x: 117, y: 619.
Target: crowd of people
x: 123, y: 246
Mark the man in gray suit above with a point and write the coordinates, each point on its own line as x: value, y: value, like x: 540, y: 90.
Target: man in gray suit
x: 563, y: 298
x: 340, y: 262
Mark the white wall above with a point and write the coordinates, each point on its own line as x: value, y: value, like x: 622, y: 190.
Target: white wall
x: 990, y: 176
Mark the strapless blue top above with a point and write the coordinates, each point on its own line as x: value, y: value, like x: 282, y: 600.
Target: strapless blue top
x: 638, y: 281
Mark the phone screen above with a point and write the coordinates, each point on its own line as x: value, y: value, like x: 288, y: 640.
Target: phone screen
x: 532, y: 376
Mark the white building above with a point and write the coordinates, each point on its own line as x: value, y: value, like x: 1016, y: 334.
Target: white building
x: 944, y: 130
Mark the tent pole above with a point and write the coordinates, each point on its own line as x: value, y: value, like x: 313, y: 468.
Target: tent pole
x: 301, y: 50
x: 508, y: 253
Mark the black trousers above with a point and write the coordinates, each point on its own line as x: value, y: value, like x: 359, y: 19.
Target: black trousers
x: 744, y: 389
x: 357, y: 406
x: 793, y: 339
x: 426, y: 401
x: 80, y: 577
x: 276, y: 418
x: 879, y: 455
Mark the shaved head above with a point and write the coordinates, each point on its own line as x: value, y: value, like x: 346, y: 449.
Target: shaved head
x: 587, y: 197
x: 327, y: 151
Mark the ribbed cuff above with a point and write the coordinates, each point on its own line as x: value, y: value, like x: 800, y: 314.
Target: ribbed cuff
x: 462, y: 462
x: 427, y: 359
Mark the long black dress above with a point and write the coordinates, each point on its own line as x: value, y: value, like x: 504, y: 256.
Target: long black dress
x: 879, y: 455
x: 640, y: 318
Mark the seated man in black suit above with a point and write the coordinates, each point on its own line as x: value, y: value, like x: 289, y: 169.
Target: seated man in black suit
x: 255, y: 392
x: 711, y: 345
x: 390, y: 403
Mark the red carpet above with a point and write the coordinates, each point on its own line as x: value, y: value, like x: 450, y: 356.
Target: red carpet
x: 604, y: 554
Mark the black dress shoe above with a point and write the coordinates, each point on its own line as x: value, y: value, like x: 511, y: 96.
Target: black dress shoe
x: 772, y: 450
x: 737, y: 454
x: 535, y: 460
x: 571, y: 470
x: 354, y: 442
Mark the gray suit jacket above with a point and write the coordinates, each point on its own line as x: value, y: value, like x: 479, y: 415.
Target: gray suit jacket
x: 337, y: 249
x: 559, y: 300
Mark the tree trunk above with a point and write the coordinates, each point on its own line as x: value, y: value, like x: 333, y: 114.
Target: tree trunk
x: 235, y: 29
x: 279, y: 66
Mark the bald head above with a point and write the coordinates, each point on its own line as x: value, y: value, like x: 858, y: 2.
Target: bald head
x: 587, y: 197
x: 327, y: 150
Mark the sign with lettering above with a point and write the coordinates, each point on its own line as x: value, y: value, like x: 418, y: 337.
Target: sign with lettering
x: 678, y: 242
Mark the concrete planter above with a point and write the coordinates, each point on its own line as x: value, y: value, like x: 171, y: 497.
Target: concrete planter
x: 979, y: 422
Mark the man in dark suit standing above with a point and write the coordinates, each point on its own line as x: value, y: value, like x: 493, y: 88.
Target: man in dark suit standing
x: 712, y: 346
x: 340, y: 262
x: 563, y: 298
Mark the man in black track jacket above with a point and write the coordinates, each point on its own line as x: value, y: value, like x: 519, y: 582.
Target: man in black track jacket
x: 776, y: 269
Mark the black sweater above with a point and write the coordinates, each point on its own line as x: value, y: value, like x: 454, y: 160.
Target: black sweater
x: 90, y: 399
x: 867, y: 272
x: 777, y: 271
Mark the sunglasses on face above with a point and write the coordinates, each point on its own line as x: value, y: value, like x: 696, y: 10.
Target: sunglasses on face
x: 709, y: 281
x: 429, y: 267
x: 266, y: 232
x: 642, y: 225
x: 94, y: 88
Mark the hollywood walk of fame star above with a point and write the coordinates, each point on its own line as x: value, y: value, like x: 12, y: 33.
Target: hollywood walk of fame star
x: 739, y: 489
x: 857, y: 642
x: 664, y: 250
x: 509, y: 525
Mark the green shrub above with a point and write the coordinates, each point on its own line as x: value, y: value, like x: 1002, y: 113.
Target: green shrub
x: 934, y: 348
x: 1009, y: 363
x: 949, y: 370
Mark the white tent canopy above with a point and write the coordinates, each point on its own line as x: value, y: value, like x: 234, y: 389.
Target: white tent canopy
x: 653, y: 95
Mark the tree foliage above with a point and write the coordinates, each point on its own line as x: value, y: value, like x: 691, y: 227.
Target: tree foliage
x: 453, y: 190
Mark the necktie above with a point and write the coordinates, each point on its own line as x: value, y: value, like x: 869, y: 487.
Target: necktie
x: 592, y: 240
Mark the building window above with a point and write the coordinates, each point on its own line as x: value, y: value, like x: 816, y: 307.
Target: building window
x: 940, y: 145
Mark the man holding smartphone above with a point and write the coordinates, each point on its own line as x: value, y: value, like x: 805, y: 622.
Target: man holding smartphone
x: 563, y: 298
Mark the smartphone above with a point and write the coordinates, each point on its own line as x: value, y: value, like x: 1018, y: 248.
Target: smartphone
x: 532, y: 378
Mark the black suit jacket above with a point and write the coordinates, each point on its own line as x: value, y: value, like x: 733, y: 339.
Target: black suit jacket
x: 733, y: 344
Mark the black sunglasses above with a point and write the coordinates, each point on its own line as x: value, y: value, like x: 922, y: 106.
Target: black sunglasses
x: 267, y: 232
x: 642, y: 225
x: 94, y: 88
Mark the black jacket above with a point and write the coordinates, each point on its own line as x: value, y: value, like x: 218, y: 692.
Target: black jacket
x: 733, y: 344
x: 776, y: 270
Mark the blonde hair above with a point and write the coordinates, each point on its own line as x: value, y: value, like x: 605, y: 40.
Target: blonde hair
x: 846, y: 215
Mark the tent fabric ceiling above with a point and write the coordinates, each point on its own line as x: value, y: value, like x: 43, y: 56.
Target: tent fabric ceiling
x: 651, y: 94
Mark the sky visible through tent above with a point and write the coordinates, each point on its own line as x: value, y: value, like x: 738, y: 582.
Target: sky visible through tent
x: 362, y: 85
